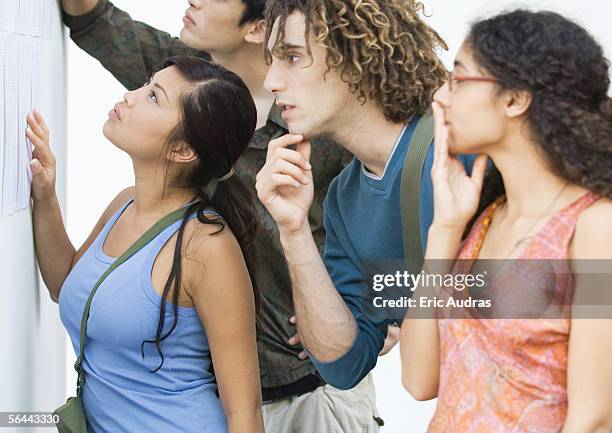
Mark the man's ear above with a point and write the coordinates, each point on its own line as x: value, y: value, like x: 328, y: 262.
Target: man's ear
x: 517, y: 102
x: 182, y: 153
x: 256, y: 32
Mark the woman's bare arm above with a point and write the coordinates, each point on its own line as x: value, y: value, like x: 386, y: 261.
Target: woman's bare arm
x: 219, y: 285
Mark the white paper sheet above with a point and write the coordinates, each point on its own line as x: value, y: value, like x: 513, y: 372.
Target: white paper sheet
x: 19, y: 61
x: 2, y: 120
x: 24, y: 17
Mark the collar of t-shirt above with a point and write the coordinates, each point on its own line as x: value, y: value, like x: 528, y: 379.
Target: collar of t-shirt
x: 376, y: 177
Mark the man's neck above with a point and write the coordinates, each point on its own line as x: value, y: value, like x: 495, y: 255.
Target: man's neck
x: 250, y: 65
x: 367, y: 134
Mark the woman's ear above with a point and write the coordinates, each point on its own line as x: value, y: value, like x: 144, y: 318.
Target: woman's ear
x: 182, y: 153
x: 256, y: 32
x: 517, y: 102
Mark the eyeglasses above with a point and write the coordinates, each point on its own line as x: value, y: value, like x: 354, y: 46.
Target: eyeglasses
x: 454, y: 79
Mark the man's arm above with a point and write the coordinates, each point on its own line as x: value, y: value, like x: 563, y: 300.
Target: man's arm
x: 343, y: 344
x: 130, y: 50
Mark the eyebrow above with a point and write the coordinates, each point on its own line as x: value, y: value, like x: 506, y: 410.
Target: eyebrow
x: 162, y: 89
x: 284, y: 46
x: 287, y: 46
x: 458, y: 64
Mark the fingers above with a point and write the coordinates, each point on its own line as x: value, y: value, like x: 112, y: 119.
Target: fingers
x: 276, y: 180
x: 285, y: 167
x: 478, y: 170
x: 35, y: 167
x: 42, y: 151
x: 41, y: 121
x: 38, y: 134
x: 304, y: 148
x: 295, y: 340
x: 393, y: 335
x: 38, y: 126
x: 284, y: 141
x: 441, y: 134
x: 292, y: 156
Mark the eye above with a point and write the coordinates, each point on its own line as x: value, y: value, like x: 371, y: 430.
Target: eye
x: 293, y: 58
x: 153, y: 96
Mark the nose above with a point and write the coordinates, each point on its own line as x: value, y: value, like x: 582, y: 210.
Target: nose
x: 128, y: 98
x: 194, y: 3
x: 442, y: 95
x: 274, y: 82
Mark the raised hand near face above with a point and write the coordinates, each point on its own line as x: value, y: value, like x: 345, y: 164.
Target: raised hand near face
x: 456, y: 194
x: 285, y: 185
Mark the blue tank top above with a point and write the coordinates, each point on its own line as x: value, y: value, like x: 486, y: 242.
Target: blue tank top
x: 121, y: 394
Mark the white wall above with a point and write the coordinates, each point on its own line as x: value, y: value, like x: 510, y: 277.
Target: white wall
x: 32, y: 356
x: 97, y: 171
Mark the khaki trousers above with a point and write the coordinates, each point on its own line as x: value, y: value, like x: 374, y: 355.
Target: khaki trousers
x: 325, y: 410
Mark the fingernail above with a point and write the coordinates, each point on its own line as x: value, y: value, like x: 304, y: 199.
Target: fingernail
x: 291, y: 341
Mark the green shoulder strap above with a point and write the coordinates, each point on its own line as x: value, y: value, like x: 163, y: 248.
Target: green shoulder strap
x: 149, y: 235
x: 410, y: 190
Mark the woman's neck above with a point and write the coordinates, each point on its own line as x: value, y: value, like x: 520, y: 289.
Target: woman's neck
x: 152, y: 199
x: 530, y: 185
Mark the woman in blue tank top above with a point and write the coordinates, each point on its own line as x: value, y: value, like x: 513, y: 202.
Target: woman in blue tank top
x: 184, y: 302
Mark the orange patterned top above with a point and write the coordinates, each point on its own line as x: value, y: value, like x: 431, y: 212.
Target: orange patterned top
x: 508, y: 375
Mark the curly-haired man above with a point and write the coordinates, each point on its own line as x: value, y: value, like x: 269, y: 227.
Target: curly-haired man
x: 361, y: 72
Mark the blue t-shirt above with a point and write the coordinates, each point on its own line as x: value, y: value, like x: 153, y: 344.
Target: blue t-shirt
x: 363, y: 222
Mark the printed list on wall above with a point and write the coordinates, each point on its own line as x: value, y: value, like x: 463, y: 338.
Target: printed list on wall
x: 22, y: 28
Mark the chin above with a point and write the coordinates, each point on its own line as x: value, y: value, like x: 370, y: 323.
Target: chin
x: 305, y: 130
x: 457, y: 147
x: 185, y: 36
x: 107, y: 131
x: 296, y: 129
x: 191, y: 40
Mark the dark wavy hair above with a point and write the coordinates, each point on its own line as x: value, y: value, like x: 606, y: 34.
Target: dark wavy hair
x: 383, y: 50
x: 217, y: 120
x: 565, y: 71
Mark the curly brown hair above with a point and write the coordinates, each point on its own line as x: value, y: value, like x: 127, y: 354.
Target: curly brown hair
x: 383, y: 50
x: 567, y: 74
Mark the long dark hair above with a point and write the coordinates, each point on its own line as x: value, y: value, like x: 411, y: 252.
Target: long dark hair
x: 217, y: 121
x: 565, y: 71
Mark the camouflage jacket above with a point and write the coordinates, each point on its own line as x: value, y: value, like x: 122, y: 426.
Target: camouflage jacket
x: 132, y: 51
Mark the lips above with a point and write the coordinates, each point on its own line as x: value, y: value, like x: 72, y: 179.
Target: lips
x: 284, y: 107
x: 187, y: 19
x: 115, y: 113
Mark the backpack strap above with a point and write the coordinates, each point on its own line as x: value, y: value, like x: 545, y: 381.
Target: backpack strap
x: 149, y: 235
x: 410, y: 190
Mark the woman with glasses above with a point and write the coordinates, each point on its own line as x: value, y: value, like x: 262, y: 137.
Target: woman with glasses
x: 529, y: 91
